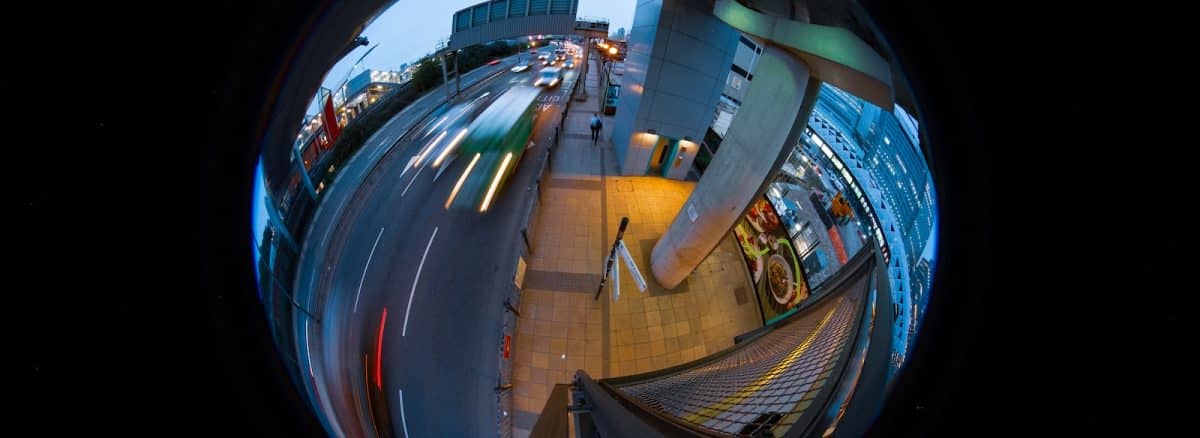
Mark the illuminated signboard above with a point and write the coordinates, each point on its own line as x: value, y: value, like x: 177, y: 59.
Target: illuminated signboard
x: 775, y: 268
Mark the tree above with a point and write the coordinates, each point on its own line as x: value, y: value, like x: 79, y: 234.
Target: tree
x: 428, y: 74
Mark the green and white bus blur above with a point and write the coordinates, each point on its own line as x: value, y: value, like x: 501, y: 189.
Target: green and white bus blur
x: 494, y: 144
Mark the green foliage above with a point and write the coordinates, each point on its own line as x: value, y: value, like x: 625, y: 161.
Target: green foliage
x: 480, y: 54
x: 428, y: 74
x: 356, y: 133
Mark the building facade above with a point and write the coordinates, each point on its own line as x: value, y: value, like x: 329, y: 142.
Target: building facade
x: 364, y: 90
x: 677, y: 62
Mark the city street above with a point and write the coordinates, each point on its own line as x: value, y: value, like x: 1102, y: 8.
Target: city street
x: 413, y: 312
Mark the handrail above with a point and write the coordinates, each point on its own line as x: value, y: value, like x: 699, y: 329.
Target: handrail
x: 617, y: 414
x: 831, y: 403
x: 847, y: 272
x: 858, y: 263
x: 852, y: 369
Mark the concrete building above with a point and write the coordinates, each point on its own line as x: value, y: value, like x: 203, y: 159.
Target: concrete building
x: 678, y: 58
x: 363, y: 90
x: 745, y: 60
x: 741, y: 72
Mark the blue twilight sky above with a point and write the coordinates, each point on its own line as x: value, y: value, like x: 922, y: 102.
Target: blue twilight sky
x: 409, y: 29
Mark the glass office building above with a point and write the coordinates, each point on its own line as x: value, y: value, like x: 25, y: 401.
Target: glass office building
x: 858, y: 175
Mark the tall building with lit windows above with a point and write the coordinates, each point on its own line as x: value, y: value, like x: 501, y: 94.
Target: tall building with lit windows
x: 900, y: 170
x: 895, y: 163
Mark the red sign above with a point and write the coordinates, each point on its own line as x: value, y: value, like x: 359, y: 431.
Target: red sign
x: 838, y: 246
x: 507, y: 344
x: 330, y: 120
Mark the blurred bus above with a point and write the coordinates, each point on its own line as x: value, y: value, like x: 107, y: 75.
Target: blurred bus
x: 494, y: 145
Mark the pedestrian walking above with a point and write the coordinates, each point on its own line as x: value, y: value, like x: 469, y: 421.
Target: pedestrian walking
x: 596, y: 125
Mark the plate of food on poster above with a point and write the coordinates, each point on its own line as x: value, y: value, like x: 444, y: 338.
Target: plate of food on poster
x: 771, y: 259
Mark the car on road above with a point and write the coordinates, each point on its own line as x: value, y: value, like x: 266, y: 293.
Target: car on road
x: 549, y: 76
x: 544, y: 58
x: 569, y: 63
x: 520, y: 68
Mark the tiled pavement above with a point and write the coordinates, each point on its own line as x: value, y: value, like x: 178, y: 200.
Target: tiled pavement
x: 561, y: 328
x: 661, y: 328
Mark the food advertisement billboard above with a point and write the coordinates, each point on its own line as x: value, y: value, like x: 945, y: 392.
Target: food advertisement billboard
x: 772, y: 260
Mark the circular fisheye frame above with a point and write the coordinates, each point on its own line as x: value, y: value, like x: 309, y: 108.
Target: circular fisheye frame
x: 704, y: 217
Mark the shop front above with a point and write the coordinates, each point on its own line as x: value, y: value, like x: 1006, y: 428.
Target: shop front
x: 773, y: 261
x: 799, y: 233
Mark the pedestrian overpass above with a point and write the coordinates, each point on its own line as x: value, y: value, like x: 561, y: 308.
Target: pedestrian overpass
x: 505, y: 19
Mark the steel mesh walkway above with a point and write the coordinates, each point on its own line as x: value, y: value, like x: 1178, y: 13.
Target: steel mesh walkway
x: 767, y: 385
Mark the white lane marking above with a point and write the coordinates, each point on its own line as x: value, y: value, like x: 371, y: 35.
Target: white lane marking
x: 368, y: 265
x: 308, y: 348
x: 435, y: 125
x: 428, y: 147
x: 409, y: 166
x: 413, y: 292
x: 443, y: 168
x: 410, y: 182
x: 385, y: 140
x: 402, y: 419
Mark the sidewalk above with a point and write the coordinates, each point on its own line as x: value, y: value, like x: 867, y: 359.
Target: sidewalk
x: 561, y: 328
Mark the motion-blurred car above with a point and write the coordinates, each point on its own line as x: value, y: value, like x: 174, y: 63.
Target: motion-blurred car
x: 520, y: 68
x: 569, y: 63
x: 549, y: 76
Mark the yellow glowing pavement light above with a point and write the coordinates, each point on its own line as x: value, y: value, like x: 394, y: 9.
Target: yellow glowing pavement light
x: 429, y: 147
x: 737, y: 397
x: 487, y: 200
x: 449, y: 147
x: 458, y: 185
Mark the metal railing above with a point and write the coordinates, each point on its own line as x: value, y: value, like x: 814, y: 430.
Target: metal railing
x: 792, y: 377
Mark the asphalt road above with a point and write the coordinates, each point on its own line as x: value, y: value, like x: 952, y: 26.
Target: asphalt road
x: 423, y: 285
